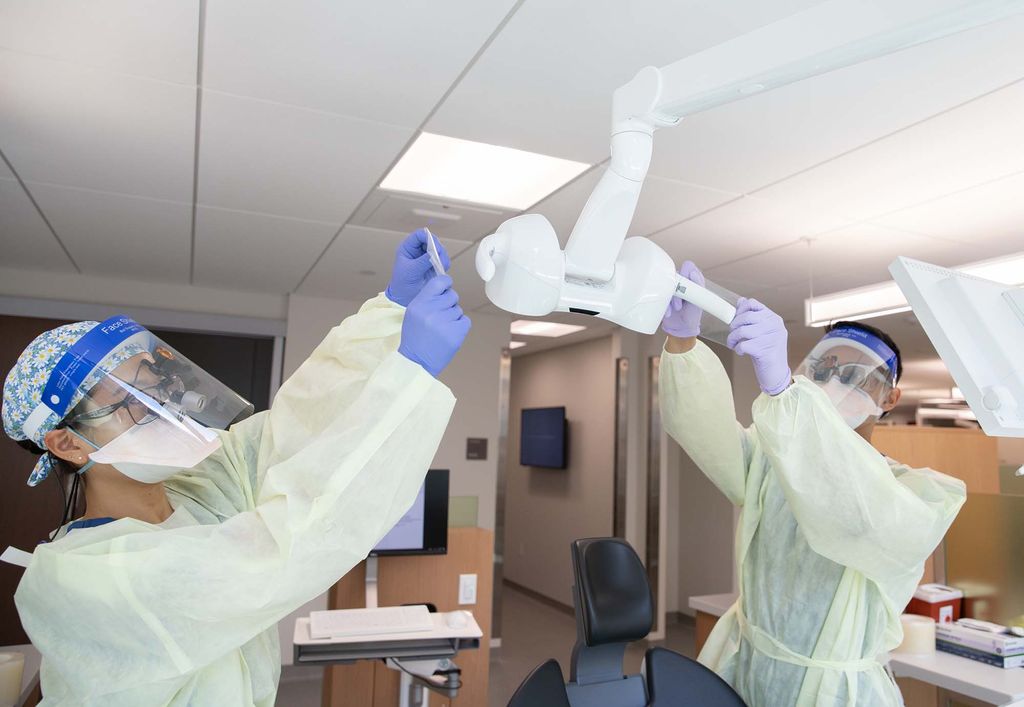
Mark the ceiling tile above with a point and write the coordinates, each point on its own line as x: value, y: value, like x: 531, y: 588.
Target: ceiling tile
x: 975, y: 143
x: 114, y: 234
x: 72, y: 126
x: 743, y: 228
x: 749, y: 144
x: 769, y: 269
x: 342, y: 271
x: 665, y: 202
x: 868, y: 250
x: 25, y: 241
x: 989, y: 217
x: 489, y: 308
x: 467, y: 282
x: 257, y: 252
x: 446, y: 220
x: 545, y: 84
x: 156, y: 39
x: 564, y: 206
x: 456, y: 248
x: 276, y: 159
x: 854, y: 256
x: 383, y: 61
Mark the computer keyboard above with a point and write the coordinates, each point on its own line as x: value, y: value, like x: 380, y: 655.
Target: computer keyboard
x: 342, y: 623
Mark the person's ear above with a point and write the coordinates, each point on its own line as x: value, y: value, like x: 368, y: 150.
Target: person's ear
x: 64, y: 445
x: 892, y: 400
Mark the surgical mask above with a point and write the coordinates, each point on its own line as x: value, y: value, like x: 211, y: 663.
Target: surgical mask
x: 157, y: 450
x: 855, y: 405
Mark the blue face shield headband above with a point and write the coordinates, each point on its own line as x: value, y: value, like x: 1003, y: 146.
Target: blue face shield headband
x: 69, y: 378
x: 868, y: 343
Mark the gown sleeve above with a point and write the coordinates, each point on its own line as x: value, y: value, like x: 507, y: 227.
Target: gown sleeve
x: 852, y: 507
x: 698, y: 412
x: 337, y: 460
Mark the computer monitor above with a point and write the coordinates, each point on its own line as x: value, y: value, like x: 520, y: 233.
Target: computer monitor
x: 423, y: 530
x: 543, y: 433
x: 977, y: 327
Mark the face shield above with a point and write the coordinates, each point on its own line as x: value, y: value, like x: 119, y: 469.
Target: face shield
x: 146, y: 409
x: 857, y: 371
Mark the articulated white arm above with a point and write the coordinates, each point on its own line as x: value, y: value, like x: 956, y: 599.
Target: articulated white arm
x: 630, y: 281
x: 823, y: 38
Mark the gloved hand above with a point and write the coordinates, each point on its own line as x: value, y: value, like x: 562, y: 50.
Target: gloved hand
x: 760, y: 333
x: 682, y: 319
x: 412, y: 267
x: 434, y: 326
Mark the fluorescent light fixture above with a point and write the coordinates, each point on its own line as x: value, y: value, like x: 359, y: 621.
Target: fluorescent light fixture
x: 851, y: 305
x: 480, y: 173
x: 1009, y: 270
x: 886, y: 297
x: 516, y: 344
x: 533, y: 327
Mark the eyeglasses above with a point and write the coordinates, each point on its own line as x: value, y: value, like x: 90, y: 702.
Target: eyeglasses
x: 853, y: 374
x: 140, y: 412
x: 136, y: 401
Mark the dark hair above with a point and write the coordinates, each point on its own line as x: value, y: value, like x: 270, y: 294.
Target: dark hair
x: 874, y: 331
x: 72, y: 502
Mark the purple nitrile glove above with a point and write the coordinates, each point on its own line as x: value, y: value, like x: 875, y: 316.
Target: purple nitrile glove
x: 682, y: 319
x: 413, y: 268
x: 434, y: 326
x: 760, y: 333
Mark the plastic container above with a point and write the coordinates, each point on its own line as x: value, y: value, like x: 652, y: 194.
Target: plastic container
x: 937, y: 601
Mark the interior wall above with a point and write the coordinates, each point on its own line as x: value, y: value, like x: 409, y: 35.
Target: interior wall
x: 546, y: 509
x: 1011, y: 451
x: 75, y: 288
x: 702, y: 559
x: 472, y: 377
x: 700, y: 522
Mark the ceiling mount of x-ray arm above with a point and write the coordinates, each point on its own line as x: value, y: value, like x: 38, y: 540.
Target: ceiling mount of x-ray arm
x: 597, y: 237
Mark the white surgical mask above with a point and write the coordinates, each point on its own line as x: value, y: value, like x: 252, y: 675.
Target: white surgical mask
x: 853, y: 404
x: 157, y: 450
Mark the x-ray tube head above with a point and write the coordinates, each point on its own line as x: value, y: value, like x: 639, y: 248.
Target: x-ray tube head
x: 523, y: 266
x: 525, y: 273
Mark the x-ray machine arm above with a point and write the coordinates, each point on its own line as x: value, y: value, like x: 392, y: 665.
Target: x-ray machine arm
x: 630, y: 281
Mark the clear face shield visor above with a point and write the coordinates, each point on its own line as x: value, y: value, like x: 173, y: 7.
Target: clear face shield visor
x: 147, y: 409
x: 857, y: 371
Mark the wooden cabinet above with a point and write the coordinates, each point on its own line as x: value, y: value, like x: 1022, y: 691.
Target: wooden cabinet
x: 970, y: 455
x: 419, y: 579
x: 705, y: 625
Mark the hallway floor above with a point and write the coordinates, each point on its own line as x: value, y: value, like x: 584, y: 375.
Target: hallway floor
x: 535, y: 631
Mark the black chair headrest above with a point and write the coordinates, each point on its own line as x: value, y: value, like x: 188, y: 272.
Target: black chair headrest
x: 544, y: 687
x: 615, y: 599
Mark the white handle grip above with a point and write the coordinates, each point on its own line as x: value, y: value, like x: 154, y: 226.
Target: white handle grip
x: 705, y: 299
x: 485, y: 259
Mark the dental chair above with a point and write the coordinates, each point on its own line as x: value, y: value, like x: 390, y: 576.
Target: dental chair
x: 614, y: 607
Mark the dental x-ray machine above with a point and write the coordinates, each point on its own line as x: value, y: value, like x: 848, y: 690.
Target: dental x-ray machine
x: 630, y: 281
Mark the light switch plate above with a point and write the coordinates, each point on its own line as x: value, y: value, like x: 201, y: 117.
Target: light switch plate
x: 467, y: 589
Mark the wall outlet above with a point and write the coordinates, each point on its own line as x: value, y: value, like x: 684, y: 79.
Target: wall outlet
x: 467, y: 589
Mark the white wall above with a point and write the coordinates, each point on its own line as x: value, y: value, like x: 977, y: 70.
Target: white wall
x: 74, y: 288
x: 546, y: 509
x: 473, y: 378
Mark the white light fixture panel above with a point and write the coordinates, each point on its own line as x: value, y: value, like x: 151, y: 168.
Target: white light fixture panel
x: 977, y: 327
